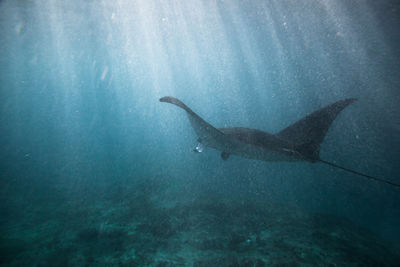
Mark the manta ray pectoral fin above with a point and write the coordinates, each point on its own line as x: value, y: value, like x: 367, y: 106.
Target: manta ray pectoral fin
x: 208, y: 134
x: 225, y: 155
x: 308, y: 133
x: 313, y: 127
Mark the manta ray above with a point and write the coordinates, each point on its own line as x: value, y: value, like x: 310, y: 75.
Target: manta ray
x: 300, y: 141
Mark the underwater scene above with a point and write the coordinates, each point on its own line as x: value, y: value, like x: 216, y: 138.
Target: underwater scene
x: 199, y: 133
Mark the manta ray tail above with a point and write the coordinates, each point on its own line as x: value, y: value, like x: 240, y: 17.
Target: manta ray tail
x: 359, y: 173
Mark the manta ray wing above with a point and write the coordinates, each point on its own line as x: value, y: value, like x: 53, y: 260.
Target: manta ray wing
x: 313, y: 128
x: 308, y: 133
x: 208, y: 134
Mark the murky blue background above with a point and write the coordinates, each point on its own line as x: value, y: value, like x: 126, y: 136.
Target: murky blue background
x: 80, y: 83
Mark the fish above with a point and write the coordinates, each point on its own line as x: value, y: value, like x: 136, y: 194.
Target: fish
x: 300, y: 141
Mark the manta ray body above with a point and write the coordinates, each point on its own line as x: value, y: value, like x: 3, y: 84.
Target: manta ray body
x: 300, y: 141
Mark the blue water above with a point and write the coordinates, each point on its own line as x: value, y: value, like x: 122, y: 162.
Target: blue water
x: 80, y: 117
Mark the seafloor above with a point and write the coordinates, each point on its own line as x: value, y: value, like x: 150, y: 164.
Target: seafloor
x: 150, y: 223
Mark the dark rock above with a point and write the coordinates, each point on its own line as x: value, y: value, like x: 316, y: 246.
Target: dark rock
x: 230, y: 261
x: 212, y: 244
x: 89, y: 235
x: 159, y: 227
x: 252, y: 263
x: 10, y: 249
